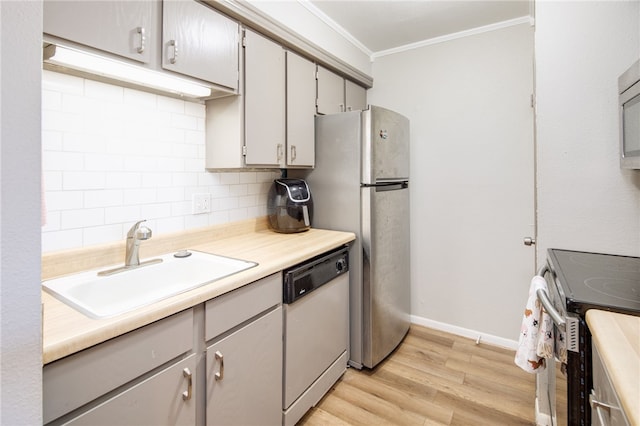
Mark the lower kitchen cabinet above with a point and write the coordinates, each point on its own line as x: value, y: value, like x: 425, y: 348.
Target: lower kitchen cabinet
x: 219, y: 363
x: 137, y: 378
x: 244, y: 374
x: 166, y: 398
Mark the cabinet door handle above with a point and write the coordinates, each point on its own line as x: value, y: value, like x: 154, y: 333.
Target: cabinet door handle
x: 174, y: 44
x: 294, y: 154
x: 342, y: 109
x: 143, y: 39
x: 220, y: 374
x: 279, y: 152
x: 186, y: 395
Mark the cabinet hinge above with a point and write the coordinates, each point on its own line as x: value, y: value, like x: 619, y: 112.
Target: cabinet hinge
x: 244, y: 150
x: 244, y: 40
x: 533, y: 100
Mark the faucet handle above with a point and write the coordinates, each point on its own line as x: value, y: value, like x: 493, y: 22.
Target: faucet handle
x: 134, y: 228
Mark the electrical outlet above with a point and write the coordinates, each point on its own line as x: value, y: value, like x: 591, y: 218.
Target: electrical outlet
x: 201, y: 203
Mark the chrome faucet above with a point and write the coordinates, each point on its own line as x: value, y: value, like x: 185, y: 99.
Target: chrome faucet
x: 136, y: 234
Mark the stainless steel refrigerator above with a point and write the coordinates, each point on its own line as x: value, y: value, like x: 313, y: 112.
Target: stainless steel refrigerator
x: 361, y: 184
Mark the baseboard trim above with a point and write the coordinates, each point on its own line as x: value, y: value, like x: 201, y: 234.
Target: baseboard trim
x: 465, y: 332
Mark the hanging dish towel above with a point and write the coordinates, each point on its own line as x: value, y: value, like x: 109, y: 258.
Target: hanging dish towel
x: 536, y: 342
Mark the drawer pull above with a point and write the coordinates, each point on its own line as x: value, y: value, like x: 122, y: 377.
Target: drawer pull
x: 186, y: 395
x: 220, y: 374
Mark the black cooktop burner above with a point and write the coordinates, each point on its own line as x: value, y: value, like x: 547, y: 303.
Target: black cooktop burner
x: 594, y: 280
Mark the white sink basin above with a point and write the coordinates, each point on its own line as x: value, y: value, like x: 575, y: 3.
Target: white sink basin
x: 105, y: 296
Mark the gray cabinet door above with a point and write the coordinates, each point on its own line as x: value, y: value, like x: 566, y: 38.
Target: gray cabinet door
x: 125, y: 28
x: 264, y: 105
x: 199, y: 42
x: 355, y: 96
x: 301, y: 108
x: 167, y: 398
x: 248, y: 362
x: 330, y: 92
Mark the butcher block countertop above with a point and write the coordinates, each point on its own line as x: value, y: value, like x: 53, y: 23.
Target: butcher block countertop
x: 617, y: 337
x: 66, y: 331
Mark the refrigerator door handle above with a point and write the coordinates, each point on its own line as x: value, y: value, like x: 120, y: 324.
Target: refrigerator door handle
x: 387, y: 186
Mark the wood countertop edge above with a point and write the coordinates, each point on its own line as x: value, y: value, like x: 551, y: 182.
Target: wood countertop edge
x: 617, y: 338
x: 67, y: 331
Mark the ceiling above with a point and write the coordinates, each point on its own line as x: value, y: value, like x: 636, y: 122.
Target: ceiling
x: 380, y: 25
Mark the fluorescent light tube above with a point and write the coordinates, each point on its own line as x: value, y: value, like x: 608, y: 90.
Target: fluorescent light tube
x: 107, y: 67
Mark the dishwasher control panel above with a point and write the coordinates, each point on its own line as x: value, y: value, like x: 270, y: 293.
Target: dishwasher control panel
x: 305, y: 277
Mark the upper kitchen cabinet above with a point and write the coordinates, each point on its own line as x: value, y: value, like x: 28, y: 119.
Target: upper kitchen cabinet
x: 264, y: 105
x: 336, y: 94
x: 249, y: 130
x: 301, y: 108
x: 355, y: 96
x: 330, y: 97
x: 200, y: 42
x: 124, y: 28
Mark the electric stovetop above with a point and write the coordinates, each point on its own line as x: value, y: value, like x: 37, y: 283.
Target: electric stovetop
x: 600, y: 281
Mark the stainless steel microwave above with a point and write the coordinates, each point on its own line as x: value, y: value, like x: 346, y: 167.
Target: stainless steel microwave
x: 629, y: 101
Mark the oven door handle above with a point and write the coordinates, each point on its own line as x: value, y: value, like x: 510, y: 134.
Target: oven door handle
x: 543, y: 297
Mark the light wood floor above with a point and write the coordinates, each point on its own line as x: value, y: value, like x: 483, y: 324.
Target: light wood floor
x: 432, y: 378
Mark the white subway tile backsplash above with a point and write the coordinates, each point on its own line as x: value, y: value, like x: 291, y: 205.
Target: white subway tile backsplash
x: 124, y: 180
x: 170, y: 194
x: 169, y: 224
x: 196, y: 221
x: 102, y: 234
x: 139, y: 98
x: 122, y: 214
x: 72, y: 180
x: 72, y: 219
x: 155, y: 211
x: 52, y: 141
x: 170, y: 104
x: 138, y: 196
x: 196, y: 109
x: 51, y: 180
x: 230, y: 178
x: 103, y: 198
x: 182, y: 121
x: 64, y: 200
x: 51, y: 100
x: 62, y: 161
x: 249, y: 177
x: 156, y: 180
x: 61, y: 240
x: 62, y: 82
x: 103, y: 91
x: 114, y: 155
x: 169, y: 164
x: 97, y: 162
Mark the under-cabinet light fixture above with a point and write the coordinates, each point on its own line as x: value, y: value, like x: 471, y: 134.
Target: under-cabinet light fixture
x: 114, y: 69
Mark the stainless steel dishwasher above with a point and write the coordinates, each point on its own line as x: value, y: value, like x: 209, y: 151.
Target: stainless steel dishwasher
x: 316, y: 330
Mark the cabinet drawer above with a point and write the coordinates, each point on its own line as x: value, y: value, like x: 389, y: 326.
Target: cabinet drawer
x: 80, y: 378
x: 231, y: 309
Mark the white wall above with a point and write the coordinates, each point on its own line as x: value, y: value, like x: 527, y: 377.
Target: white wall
x: 585, y: 201
x: 20, y: 313
x: 113, y: 156
x: 468, y: 101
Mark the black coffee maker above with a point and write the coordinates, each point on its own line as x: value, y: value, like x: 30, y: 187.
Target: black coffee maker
x: 290, y: 206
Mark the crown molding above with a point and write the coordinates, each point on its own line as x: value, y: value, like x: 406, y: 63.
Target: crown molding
x: 442, y: 39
